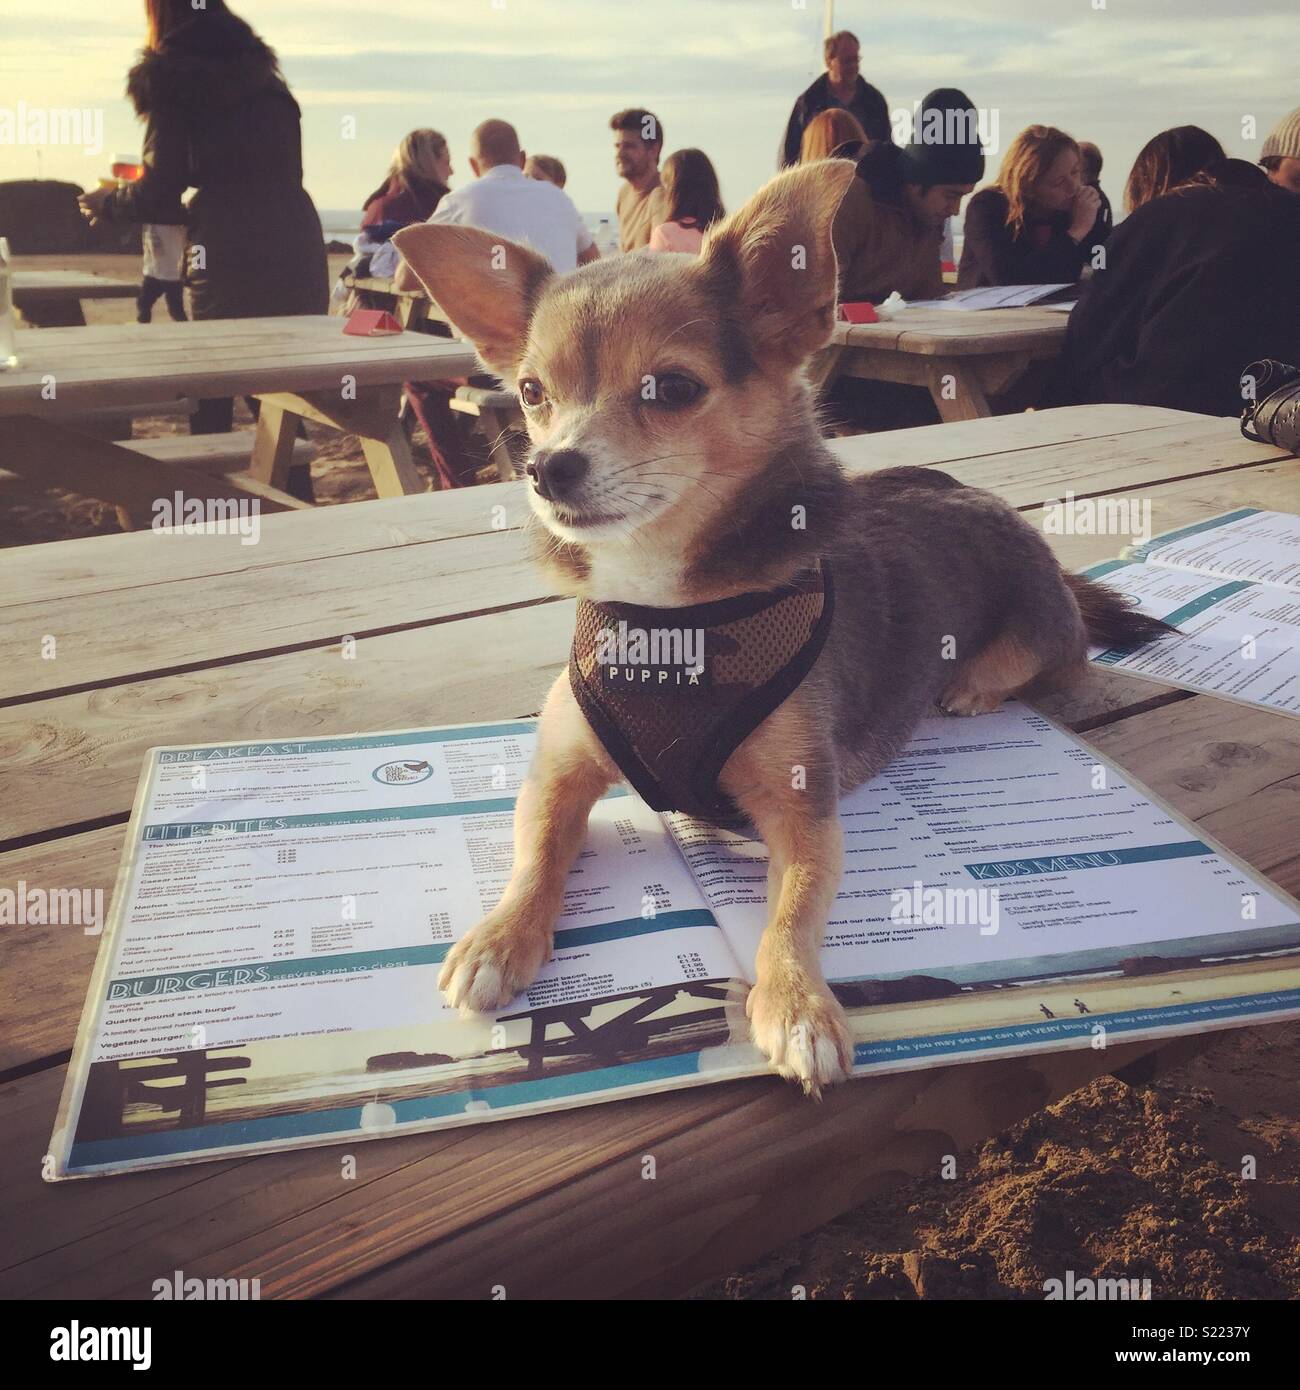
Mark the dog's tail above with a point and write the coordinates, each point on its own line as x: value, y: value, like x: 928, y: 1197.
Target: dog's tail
x: 1112, y: 618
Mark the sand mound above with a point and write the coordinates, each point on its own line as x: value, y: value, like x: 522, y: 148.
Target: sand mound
x: 1114, y: 1181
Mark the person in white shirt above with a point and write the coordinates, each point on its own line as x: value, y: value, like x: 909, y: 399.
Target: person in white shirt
x: 503, y: 199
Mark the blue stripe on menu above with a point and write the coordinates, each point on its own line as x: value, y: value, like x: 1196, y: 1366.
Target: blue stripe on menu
x: 1085, y: 859
x: 1140, y: 552
x: 345, y: 1123
x: 1083, y: 1026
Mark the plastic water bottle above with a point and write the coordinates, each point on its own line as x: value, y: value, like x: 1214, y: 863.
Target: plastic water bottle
x: 8, y: 320
x: 606, y: 238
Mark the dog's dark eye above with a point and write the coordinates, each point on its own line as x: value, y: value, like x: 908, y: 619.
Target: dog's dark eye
x: 675, y: 391
x: 532, y: 392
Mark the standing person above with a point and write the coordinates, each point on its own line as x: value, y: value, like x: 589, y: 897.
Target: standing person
x: 1090, y: 156
x: 833, y: 134
x: 1280, y: 157
x: 1169, y: 160
x: 1038, y: 224
x: 841, y: 85
x: 547, y: 168
x: 641, y: 206
x: 888, y: 232
x: 220, y: 119
x: 164, y: 252
x: 417, y: 181
x: 503, y: 199
x: 690, y: 185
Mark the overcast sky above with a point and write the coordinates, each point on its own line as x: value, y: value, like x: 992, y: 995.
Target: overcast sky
x: 721, y: 74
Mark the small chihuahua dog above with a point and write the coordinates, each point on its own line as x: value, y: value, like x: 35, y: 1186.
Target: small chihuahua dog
x: 677, y: 462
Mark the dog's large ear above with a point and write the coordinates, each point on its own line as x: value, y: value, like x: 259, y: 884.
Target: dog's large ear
x: 774, y: 258
x: 487, y: 286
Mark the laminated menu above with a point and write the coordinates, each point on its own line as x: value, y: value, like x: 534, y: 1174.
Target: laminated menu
x: 268, y: 975
x: 1231, y: 585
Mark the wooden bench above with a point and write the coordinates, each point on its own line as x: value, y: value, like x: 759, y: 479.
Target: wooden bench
x: 211, y: 453
x: 500, y: 413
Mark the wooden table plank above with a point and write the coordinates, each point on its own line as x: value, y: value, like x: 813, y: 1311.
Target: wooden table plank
x: 103, y: 638
x: 954, y: 333
x: 68, y: 285
x: 1033, y: 477
x: 56, y: 570
x: 165, y: 361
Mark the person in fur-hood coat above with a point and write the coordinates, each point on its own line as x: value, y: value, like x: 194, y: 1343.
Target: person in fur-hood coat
x: 220, y: 119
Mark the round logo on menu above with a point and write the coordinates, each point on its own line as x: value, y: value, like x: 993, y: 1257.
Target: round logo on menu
x: 402, y: 773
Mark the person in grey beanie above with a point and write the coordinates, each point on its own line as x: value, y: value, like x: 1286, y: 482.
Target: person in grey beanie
x: 1280, y: 157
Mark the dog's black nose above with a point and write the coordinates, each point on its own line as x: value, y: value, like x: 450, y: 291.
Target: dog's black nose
x: 555, y: 475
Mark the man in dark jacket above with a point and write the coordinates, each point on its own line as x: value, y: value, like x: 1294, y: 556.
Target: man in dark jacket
x: 1197, y: 285
x: 839, y: 85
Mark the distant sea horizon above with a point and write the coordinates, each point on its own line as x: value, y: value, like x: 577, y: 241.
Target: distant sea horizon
x: 344, y: 224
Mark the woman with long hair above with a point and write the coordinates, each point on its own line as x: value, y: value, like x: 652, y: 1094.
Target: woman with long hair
x: 220, y: 119
x: 694, y: 203
x: 833, y: 134
x: 416, y: 181
x: 1168, y: 160
x: 1038, y: 223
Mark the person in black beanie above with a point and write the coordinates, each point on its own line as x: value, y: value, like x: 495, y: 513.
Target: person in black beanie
x: 888, y: 236
x: 888, y: 232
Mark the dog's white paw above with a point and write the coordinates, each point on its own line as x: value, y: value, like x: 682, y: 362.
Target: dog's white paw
x: 803, y: 1032
x: 492, y: 963
x: 962, y: 701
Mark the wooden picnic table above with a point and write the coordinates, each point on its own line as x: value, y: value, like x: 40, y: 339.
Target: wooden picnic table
x: 53, y: 298
x: 961, y: 356
x: 211, y: 640
x: 299, y: 368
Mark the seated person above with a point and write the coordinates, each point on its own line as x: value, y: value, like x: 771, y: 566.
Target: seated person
x: 502, y: 199
x: 1169, y: 160
x: 1197, y: 284
x: 1280, y: 157
x: 888, y: 232
x: 547, y: 168
x: 690, y: 187
x: 415, y: 184
x: 1038, y: 224
x: 833, y: 134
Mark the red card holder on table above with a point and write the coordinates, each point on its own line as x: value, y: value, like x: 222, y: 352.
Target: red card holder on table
x: 371, y: 323
x: 863, y: 312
